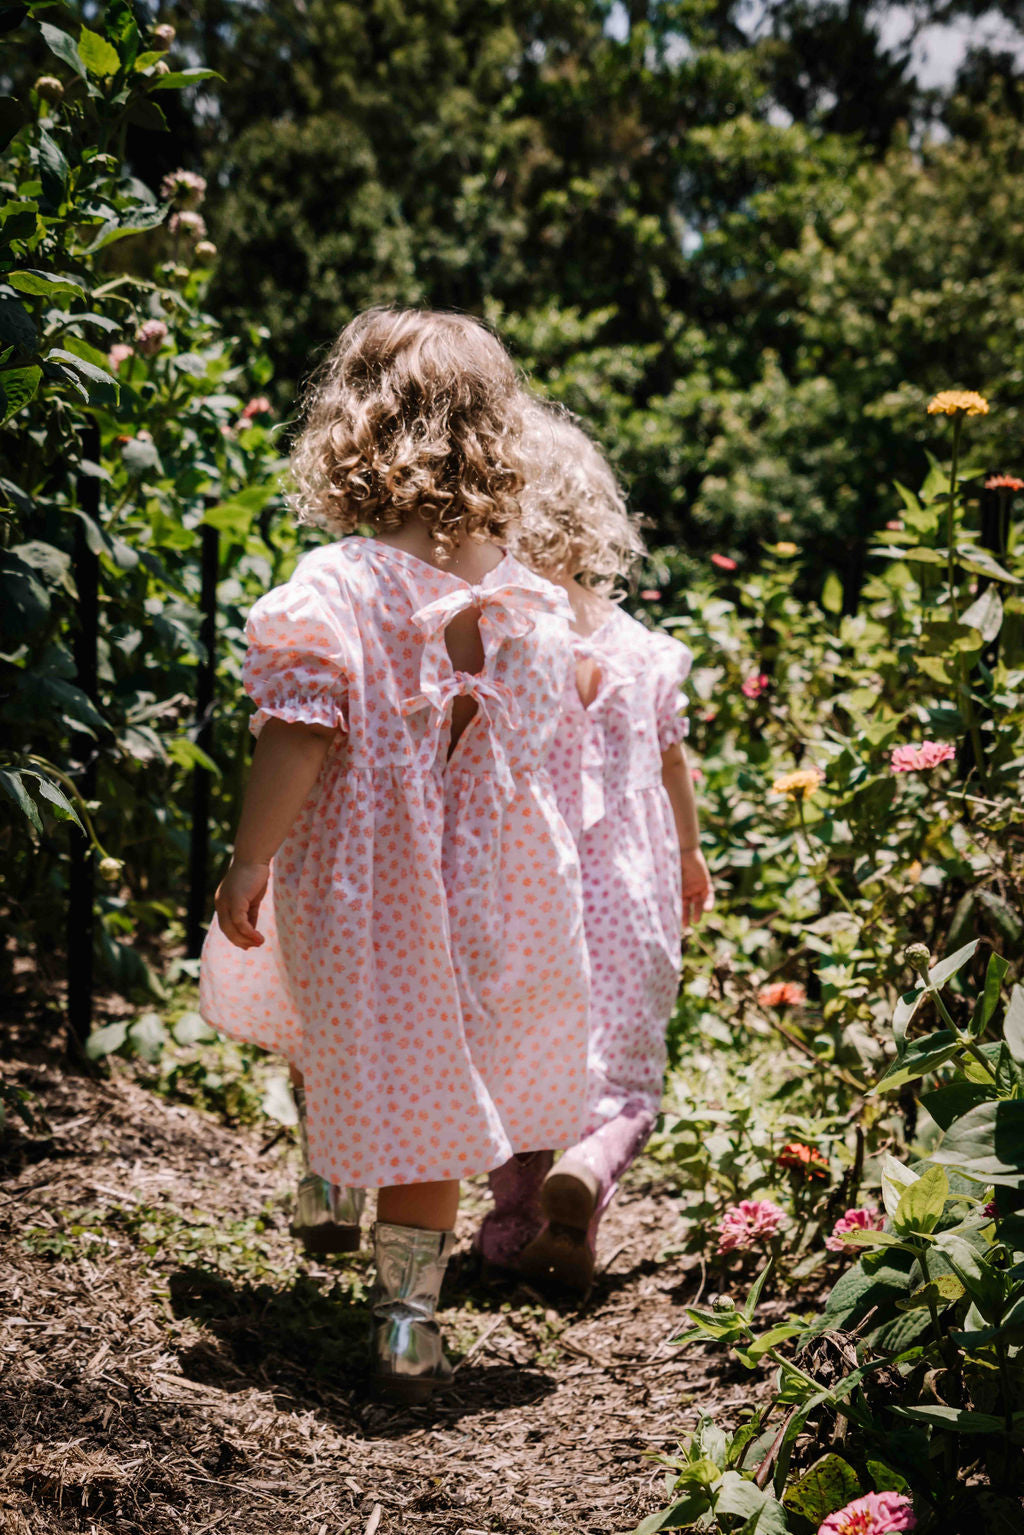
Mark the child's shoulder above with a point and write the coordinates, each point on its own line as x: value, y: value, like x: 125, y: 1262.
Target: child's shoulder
x: 626, y: 634
x: 334, y: 569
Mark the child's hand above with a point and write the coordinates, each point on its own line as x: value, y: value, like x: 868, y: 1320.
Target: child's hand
x: 238, y: 903
x: 698, y: 892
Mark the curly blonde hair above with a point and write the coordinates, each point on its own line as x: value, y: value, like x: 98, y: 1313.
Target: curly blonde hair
x: 574, y: 517
x: 414, y: 411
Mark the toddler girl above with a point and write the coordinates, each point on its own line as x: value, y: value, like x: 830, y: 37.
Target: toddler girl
x: 623, y: 784
x: 402, y: 915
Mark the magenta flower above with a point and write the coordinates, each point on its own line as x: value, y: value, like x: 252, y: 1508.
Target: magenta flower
x: 650, y: 594
x: 150, y: 337
x: 748, y: 1225
x: 723, y: 562
x: 188, y: 224
x: 258, y: 407
x: 119, y: 353
x: 908, y: 759
x: 867, y: 1219
x: 753, y: 687
x: 876, y: 1513
x: 185, y: 188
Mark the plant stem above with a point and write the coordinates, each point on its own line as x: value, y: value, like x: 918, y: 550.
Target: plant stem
x: 76, y: 795
x: 962, y: 1038
x: 951, y: 519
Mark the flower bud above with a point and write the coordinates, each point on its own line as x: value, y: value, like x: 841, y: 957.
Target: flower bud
x: 150, y: 337
x: 163, y: 37
x: 918, y: 957
x: 206, y: 251
x: 110, y: 869
x: 49, y: 88
x: 722, y: 1303
x: 161, y: 67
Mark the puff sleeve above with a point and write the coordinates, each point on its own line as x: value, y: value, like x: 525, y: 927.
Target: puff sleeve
x: 672, y: 661
x: 299, y: 660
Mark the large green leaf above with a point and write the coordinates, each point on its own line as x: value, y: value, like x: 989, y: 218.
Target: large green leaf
x: 17, y: 388
x: 939, y: 974
x: 920, y: 1057
x: 922, y: 1202
x: 102, y: 386
x: 947, y: 1103
x: 826, y: 1486
x: 14, y: 786
x: 1013, y: 1025
x: 45, y: 284
x: 98, y: 56
x: 63, y: 45
x: 987, y: 1144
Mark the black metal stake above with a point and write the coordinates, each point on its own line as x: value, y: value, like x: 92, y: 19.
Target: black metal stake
x: 206, y: 675
x: 81, y: 877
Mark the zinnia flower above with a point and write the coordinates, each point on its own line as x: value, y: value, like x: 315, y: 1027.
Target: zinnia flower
x: 185, y: 188
x: 258, y: 407
x: 907, y: 759
x: 867, y: 1219
x: 786, y: 548
x: 1003, y: 482
x: 723, y: 562
x: 951, y: 402
x: 799, y: 785
x: 895, y: 526
x: 753, y: 687
x: 782, y: 994
x: 191, y: 225
x: 803, y: 1159
x: 119, y: 353
x: 876, y: 1513
x: 150, y: 337
x: 750, y: 1224
x: 650, y: 594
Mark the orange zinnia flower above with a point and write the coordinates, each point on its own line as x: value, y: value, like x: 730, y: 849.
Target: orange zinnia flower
x: 782, y: 994
x: 953, y: 402
x: 803, y: 1159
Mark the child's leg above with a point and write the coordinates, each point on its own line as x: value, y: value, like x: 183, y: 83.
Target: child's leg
x: 576, y: 1194
x: 413, y: 1240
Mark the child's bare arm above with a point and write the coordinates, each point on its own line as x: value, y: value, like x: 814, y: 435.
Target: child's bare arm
x: 698, y: 893
x: 285, y: 766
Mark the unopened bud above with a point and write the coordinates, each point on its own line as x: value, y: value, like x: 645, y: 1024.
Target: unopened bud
x: 206, y: 251
x: 163, y: 37
x: 161, y: 67
x: 722, y: 1303
x: 110, y: 869
x: 918, y: 957
x: 50, y: 88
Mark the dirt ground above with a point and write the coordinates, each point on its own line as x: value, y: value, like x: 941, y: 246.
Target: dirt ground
x: 169, y: 1364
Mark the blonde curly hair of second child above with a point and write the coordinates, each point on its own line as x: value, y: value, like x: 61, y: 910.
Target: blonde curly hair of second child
x: 413, y: 412
x: 574, y: 518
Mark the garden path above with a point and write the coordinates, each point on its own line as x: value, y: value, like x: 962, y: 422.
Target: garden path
x: 167, y: 1365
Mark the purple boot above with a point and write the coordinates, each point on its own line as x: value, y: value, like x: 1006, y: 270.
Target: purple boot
x: 517, y: 1216
x: 575, y: 1195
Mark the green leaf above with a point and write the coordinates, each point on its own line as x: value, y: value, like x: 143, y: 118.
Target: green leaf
x: 45, y: 284
x: 106, y: 1040
x: 922, y: 1202
x: 1013, y: 1025
x: 97, y: 55
x: 104, y: 387
x: 754, y: 1294
x: 63, y: 45
x: 742, y: 1499
x: 826, y: 1486
x: 873, y: 1239
x: 904, y: 1011
x: 17, y: 388
x: 939, y: 1292
x: 192, y: 1029
x: 939, y: 974
x: 12, y: 120
x: 17, y: 327
x: 957, y: 1418
x: 685, y: 1511
x: 178, y: 79
x: 132, y: 221
x: 14, y: 786
x: 895, y: 1179
x: 987, y: 1144
x: 947, y: 1103
x: 63, y: 808
x: 985, y: 614
x: 996, y: 969
x: 978, y: 560
x: 921, y: 1057
x: 53, y: 169
x: 148, y: 1037
x: 832, y: 594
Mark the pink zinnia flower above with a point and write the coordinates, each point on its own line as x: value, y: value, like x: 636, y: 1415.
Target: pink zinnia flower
x: 119, y: 353
x: 867, y: 1219
x: 258, y: 407
x: 782, y: 994
x: 186, y: 188
x: 192, y: 226
x: 753, y: 687
x: 895, y: 526
x: 650, y: 594
x: 907, y: 759
x: 150, y: 337
x: 876, y: 1513
x: 1003, y: 482
x: 750, y: 1224
x: 723, y: 562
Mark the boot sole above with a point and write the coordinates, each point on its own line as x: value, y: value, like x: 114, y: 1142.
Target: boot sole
x: 407, y: 1391
x: 569, y: 1199
x: 320, y: 1241
x: 559, y: 1257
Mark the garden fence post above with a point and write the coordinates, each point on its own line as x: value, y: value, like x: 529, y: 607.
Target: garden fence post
x: 81, y: 877
x: 206, y: 675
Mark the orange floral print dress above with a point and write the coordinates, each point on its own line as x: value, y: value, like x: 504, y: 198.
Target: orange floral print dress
x: 424, y: 964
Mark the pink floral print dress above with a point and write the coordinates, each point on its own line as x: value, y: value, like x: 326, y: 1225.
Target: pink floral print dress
x: 425, y: 966
x: 606, y: 767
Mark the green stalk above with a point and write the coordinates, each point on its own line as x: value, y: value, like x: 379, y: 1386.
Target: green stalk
x: 962, y: 685
x: 962, y: 1038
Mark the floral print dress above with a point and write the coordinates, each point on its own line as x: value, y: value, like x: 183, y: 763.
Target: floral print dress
x: 606, y: 767
x: 424, y: 964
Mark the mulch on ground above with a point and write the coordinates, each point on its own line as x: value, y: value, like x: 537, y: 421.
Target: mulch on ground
x: 170, y: 1365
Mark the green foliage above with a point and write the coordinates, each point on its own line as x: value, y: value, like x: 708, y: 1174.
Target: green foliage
x: 124, y: 427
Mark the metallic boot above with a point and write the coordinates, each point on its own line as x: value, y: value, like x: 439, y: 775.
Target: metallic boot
x: 327, y: 1216
x: 409, y: 1362
x: 576, y: 1193
x: 517, y: 1216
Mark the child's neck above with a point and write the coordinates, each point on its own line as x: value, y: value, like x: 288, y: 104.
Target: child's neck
x: 590, y: 609
x: 470, y: 559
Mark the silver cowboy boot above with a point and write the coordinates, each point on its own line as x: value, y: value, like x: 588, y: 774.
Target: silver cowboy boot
x: 409, y: 1362
x: 326, y: 1216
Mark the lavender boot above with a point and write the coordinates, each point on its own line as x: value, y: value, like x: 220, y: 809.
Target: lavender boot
x: 517, y: 1216
x: 575, y: 1195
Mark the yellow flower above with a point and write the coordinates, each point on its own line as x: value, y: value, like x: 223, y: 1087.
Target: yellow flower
x: 950, y: 402
x: 799, y: 785
x: 785, y: 549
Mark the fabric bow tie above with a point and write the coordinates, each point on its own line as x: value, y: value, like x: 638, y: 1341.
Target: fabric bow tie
x: 506, y: 611
x: 496, y: 703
